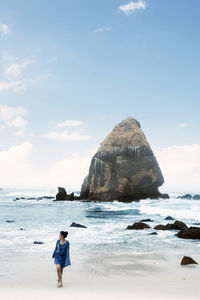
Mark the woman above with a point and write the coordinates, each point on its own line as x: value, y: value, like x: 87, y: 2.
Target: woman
x: 61, y: 255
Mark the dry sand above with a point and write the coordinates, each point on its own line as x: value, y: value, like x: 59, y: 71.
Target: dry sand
x: 137, y: 276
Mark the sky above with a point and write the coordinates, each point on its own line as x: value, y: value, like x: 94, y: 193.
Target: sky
x: 71, y: 70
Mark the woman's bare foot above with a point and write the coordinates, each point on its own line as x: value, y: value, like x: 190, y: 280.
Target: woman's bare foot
x: 59, y: 284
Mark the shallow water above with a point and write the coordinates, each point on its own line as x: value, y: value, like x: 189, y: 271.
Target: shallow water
x: 106, y: 226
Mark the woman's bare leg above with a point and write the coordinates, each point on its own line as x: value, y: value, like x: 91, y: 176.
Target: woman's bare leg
x: 59, y: 272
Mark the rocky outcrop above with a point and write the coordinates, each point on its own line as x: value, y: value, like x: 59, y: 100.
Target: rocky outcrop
x: 62, y: 195
x: 186, y: 260
x: 189, y: 197
x: 186, y: 196
x: 177, y: 225
x: 138, y: 225
x: 124, y: 167
x: 189, y: 233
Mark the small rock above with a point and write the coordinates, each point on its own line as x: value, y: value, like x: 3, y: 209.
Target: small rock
x: 153, y: 233
x: 146, y: 220
x: 177, y: 225
x: 38, y: 242
x: 196, y: 197
x: 21, y: 229
x: 46, y: 197
x: 160, y: 227
x: 186, y: 260
x: 186, y: 196
x: 138, y: 225
x: 10, y: 221
x: 77, y: 225
x: 169, y: 218
x: 165, y: 196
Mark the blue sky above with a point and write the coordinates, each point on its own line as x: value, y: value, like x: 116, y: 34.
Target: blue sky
x: 96, y: 63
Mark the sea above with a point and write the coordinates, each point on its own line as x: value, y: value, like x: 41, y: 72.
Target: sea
x: 36, y: 218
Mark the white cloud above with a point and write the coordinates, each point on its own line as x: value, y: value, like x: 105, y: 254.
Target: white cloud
x: 15, y: 164
x: 65, y: 136
x: 19, y: 171
x: 182, y: 125
x: 4, y: 29
x: 181, y: 168
x: 11, y: 85
x: 19, y: 132
x: 13, y: 116
x: 20, y: 85
x: 70, y: 123
x: 69, y: 172
x: 132, y: 6
x: 19, y: 122
x: 13, y: 79
x: 14, y: 70
x: 106, y: 28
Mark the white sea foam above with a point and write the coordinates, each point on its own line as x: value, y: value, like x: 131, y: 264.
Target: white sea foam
x: 106, y: 225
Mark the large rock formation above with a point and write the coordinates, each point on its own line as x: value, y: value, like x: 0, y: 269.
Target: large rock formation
x: 124, y: 167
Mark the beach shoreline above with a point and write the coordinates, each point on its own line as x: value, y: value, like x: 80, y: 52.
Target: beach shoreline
x: 107, y: 260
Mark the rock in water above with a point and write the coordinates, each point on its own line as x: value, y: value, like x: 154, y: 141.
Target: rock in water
x: 160, y: 227
x: 77, y: 225
x: 177, y: 225
x: 196, y: 197
x: 169, y: 218
x: 138, y: 225
x: 146, y: 220
x: 189, y: 233
x: 124, y: 167
x: 186, y: 196
x: 186, y: 260
x: 61, y: 195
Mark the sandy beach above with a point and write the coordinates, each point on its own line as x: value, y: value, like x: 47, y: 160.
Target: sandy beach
x: 141, y: 276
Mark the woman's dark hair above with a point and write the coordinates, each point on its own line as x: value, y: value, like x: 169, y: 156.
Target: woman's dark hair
x: 64, y: 233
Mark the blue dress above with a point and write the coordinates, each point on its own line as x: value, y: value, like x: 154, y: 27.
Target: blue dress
x: 61, y: 254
